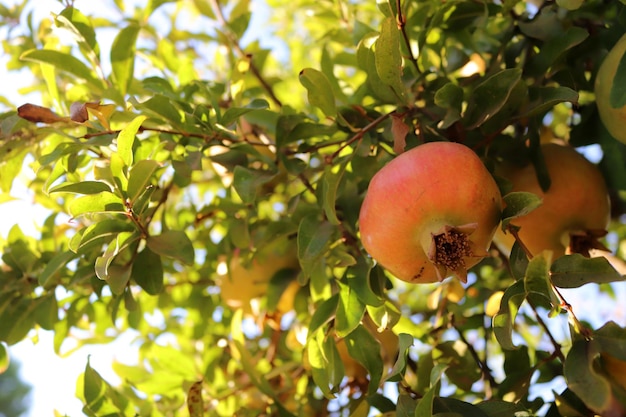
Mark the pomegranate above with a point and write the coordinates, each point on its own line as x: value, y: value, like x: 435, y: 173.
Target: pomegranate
x: 430, y: 213
x: 575, y: 209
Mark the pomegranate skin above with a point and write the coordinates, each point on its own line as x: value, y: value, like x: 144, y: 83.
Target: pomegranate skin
x: 436, y: 189
x: 575, y: 207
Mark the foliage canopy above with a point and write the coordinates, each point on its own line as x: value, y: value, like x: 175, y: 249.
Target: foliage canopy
x: 177, y: 139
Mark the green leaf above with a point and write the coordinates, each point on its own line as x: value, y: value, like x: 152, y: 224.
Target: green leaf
x: 313, y: 239
x: 81, y: 27
x: 349, y: 311
x: 364, y: 347
x: 554, y: 48
x: 161, y: 107
x: 99, y: 233
x: 570, y: 4
x: 452, y: 407
x: 4, y: 358
x: 358, y: 279
x: 233, y: 113
x: 54, y: 265
x: 319, y: 91
x: 174, y: 244
x: 83, y: 187
x: 617, y: 96
x: 537, y: 275
x: 140, y: 177
x: 388, y: 58
x: 326, y: 366
x: 104, y: 202
x: 489, y: 97
x: 582, y: 377
x: 425, y: 405
x: 499, y: 408
x: 247, y: 182
x: 405, y: 341
x: 324, y: 313
x: 47, y: 311
x: 126, y: 138
x: 573, y: 271
x: 123, y: 53
x: 543, y: 99
x: 67, y: 63
x: 611, y: 339
x: 94, y: 388
x: 503, y: 322
x: 518, y: 204
x: 450, y: 97
x: 330, y: 185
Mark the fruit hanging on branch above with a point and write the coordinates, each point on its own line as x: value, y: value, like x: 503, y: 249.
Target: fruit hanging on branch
x: 575, y: 210
x: 613, y: 117
x: 430, y: 213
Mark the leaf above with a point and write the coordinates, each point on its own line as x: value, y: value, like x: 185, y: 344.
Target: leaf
x: 96, y: 203
x: 247, y: 182
x: 611, y: 340
x: 499, y: 408
x: 399, y: 130
x: 319, y: 91
x: 489, y: 97
x: 536, y: 279
x: 80, y: 26
x: 617, y: 96
x: 388, y: 58
x: 313, y: 238
x: 123, y: 57
x: 573, y: 271
x: 147, y: 271
x: 543, y: 99
x: 54, y: 265
x: 324, y: 313
x: 405, y: 341
x: 364, y: 347
x: 582, y: 377
x: 326, y: 366
x: 83, y: 187
x: 518, y: 204
x: 359, y: 280
x: 126, y: 138
x: 38, y: 114
x: 329, y: 186
x: 94, y: 387
x: 570, y: 4
x: 509, y: 306
x: 453, y: 407
x: 425, y: 405
x: 450, y: 97
x: 140, y: 177
x: 195, y: 403
x: 98, y: 233
x: 543, y: 64
x: 4, y: 358
x: 67, y: 63
x: 233, y: 113
x: 174, y: 244
x: 349, y: 311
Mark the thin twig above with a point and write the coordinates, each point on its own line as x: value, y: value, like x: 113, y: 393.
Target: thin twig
x: 484, y: 368
x: 557, y: 346
x: 242, y: 54
x: 401, y: 22
x: 359, y: 135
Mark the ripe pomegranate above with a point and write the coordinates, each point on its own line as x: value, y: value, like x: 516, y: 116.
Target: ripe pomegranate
x: 575, y: 209
x: 431, y: 212
x: 612, y: 118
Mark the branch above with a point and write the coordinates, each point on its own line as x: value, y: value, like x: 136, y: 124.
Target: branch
x: 359, y: 135
x: 242, y: 54
x: 401, y: 22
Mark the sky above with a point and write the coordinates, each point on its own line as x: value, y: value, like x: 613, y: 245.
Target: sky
x: 54, y: 378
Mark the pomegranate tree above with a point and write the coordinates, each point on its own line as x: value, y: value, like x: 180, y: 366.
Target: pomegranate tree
x: 431, y: 212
